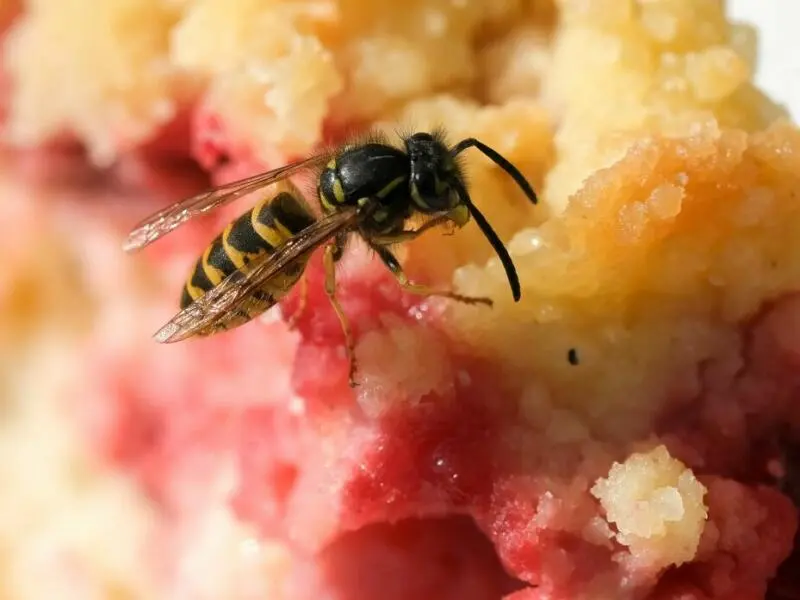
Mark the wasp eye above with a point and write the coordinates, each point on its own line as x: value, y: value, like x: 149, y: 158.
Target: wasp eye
x: 429, y: 192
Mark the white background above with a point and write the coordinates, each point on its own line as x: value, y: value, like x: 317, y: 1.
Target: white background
x: 778, y: 24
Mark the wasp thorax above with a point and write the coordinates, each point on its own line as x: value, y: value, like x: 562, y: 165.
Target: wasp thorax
x: 430, y: 171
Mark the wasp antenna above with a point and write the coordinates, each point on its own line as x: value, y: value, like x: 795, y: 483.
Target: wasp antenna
x: 494, y: 240
x: 500, y: 161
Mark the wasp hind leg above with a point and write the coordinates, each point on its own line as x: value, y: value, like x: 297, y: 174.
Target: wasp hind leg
x: 393, y: 265
x: 332, y: 254
x: 302, y: 303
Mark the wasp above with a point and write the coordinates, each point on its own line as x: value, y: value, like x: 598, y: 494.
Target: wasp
x: 369, y: 188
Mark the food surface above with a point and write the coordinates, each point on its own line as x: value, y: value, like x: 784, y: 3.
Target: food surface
x: 618, y: 433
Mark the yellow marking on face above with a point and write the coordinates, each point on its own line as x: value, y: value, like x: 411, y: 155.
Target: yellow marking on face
x: 331, y: 164
x: 415, y: 196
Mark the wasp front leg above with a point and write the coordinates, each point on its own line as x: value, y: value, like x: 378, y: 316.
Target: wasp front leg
x: 406, y: 235
x: 391, y: 262
x: 333, y: 253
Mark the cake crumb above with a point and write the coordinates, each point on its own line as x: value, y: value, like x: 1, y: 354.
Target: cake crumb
x: 656, y: 504
x: 404, y: 358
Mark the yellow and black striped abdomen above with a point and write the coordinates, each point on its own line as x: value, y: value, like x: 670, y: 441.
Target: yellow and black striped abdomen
x: 269, y: 224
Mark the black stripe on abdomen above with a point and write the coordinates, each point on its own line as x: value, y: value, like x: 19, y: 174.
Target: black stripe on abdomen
x: 199, y: 278
x: 186, y: 298
x: 286, y: 210
x: 219, y: 259
x: 245, y: 239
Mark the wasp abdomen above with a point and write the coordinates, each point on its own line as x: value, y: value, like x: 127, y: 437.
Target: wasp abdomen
x: 269, y: 224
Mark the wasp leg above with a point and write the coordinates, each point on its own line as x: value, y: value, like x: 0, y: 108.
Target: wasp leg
x: 407, y: 235
x: 393, y: 265
x: 332, y: 253
x: 291, y: 322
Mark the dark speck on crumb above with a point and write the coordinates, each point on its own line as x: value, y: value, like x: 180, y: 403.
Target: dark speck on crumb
x: 572, y: 356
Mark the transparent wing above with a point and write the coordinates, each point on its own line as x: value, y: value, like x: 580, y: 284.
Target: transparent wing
x: 235, y: 289
x: 172, y: 217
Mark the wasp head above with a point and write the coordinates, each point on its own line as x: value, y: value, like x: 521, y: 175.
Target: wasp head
x: 432, y: 170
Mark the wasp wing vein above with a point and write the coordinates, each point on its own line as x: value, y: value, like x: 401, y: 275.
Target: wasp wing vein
x: 163, y: 222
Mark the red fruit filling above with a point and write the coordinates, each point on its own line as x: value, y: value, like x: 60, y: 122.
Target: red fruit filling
x: 331, y: 480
